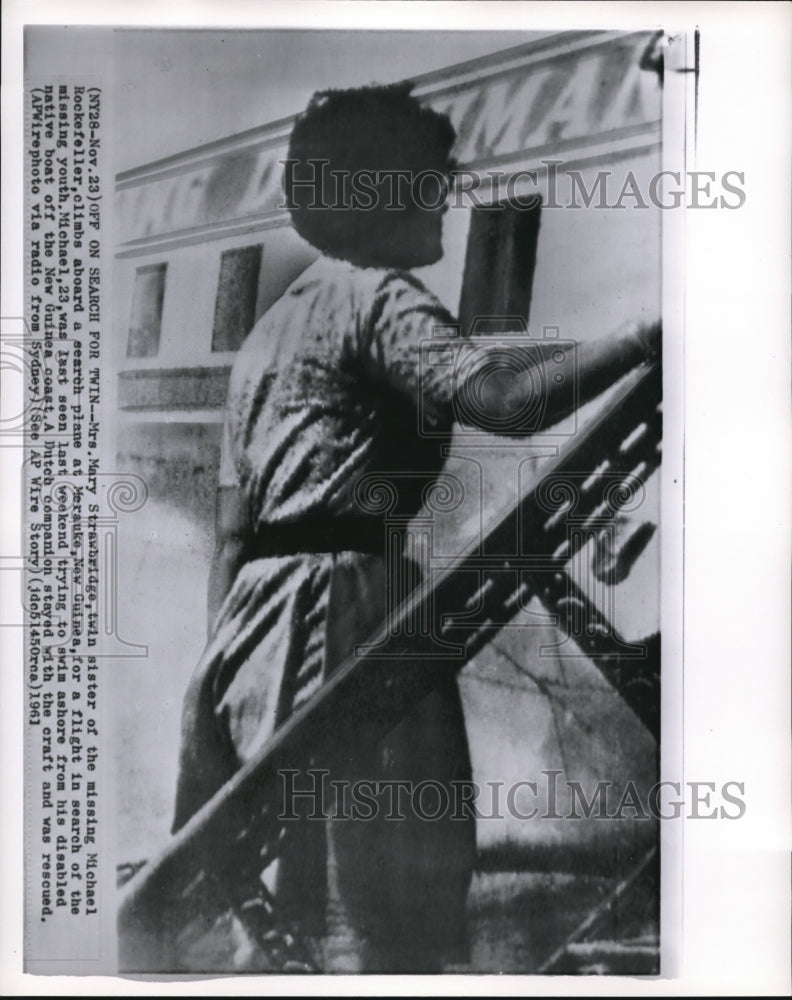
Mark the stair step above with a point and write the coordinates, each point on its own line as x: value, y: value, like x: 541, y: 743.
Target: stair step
x: 610, y: 958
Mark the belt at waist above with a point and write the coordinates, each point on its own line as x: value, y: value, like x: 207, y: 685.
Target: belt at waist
x: 315, y: 535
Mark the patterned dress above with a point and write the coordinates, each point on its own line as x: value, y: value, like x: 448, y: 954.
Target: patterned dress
x: 328, y: 389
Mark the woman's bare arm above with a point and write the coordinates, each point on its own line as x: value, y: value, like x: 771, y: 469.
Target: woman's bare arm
x: 590, y: 368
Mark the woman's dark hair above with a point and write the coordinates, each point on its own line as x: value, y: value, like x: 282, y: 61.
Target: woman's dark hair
x: 344, y: 154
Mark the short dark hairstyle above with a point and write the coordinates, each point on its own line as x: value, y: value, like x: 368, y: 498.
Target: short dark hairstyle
x: 379, y: 129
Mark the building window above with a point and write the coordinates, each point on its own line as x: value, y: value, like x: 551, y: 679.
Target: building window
x: 283, y: 265
x: 499, y: 267
x: 144, y: 328
x: 237, y: 293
